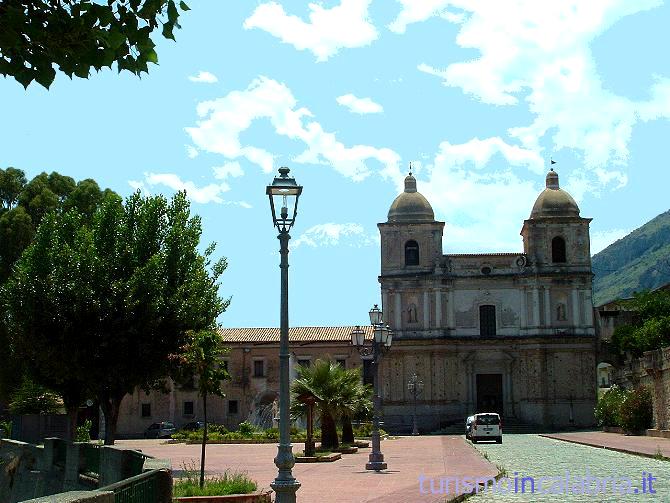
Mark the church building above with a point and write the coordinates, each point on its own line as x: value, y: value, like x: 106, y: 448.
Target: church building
x: 505, y: 332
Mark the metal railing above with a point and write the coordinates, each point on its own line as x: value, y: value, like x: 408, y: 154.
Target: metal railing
x: 143, y: 488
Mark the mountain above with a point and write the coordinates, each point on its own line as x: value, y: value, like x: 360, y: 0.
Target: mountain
x: 639, y: 261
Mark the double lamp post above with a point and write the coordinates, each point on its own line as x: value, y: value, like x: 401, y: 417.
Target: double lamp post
x: 373, y: 351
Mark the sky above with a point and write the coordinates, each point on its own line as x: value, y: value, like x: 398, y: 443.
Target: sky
x: 478, y: 95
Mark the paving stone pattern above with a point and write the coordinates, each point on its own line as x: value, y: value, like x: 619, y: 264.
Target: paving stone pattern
x: 532, y: 455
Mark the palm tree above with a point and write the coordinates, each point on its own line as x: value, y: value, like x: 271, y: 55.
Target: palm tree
x: 321, y: 380
x: 341, y: 396
x: 356, y: 401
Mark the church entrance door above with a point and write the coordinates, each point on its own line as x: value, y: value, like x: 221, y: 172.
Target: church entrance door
x: 489, y: 393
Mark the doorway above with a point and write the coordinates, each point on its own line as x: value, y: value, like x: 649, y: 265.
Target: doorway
x: 489, y: 393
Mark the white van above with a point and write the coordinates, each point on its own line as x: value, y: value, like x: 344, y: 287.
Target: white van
x: 486, y: 426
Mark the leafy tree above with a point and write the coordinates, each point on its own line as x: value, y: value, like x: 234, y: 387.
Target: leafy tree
x: 98, y: 309
x: 651, y: 326
x: 31, y: 398
x: 201, y: 357
x: 12, y: 181
x: 22, y: 206
x: 77, y: 35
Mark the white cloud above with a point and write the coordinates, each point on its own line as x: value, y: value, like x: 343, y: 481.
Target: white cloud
x: 331, y: 234
x: 223, y: 120
x: 191, y: 151
x: 208, y: 194
x: 483, y: 210
x: 229, y: 169
x: 602, y: 239
x: 359, y: 105
x: 344, y: 26
x: 540, y: 51
x: 204, y: 77
x: 414, y: 11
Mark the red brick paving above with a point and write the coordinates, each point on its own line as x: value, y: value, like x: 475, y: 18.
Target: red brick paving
x: 647, y: 446
x: 345, y: 480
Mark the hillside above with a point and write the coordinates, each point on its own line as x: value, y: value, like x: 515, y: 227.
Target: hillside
x: 639, y: 261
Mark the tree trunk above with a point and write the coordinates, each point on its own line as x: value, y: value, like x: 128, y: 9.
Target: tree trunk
x: 110, y: 408
x: 347, y: 430
x: 329, y: 438
x: 204, y: 441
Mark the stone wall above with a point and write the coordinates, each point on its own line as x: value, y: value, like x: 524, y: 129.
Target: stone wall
x: 652, y: 371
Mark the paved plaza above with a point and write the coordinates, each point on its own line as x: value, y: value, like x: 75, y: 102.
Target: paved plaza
x: 649, y: 446
x: 345, y: 480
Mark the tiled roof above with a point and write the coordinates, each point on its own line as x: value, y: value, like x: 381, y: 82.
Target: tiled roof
x: 295, y: 334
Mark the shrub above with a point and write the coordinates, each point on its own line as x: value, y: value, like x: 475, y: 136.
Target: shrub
x: 83, y: 433
x: 271, y: 433
x: 608, y: 409
x: 636, y: 412
x: 218, y: 428
x: 246, y: 429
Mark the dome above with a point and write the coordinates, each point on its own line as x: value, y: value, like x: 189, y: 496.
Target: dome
x: 553, y: 201
x: 411, y: 206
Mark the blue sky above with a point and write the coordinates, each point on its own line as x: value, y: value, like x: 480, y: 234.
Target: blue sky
x: 477, y: 94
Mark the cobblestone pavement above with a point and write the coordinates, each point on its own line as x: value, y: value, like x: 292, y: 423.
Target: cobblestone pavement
x: 535, y: 456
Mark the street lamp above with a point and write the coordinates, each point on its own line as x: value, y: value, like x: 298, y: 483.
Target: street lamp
x: 415, y: 387
x: 284, y: 193
x: 380, y: 343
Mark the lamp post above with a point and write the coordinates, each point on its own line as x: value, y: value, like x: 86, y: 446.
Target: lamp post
x: 415, y: 387
x: 285, y: 191
x: 373, y: 352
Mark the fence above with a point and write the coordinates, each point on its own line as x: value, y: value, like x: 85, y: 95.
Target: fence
x: 151, y: 486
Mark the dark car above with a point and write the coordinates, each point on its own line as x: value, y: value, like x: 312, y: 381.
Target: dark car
x: 163, y: 429
x: 193, y: 426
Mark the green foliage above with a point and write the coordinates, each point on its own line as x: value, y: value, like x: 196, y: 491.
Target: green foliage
x: 271, y: 433
x: 231, y: 482
x: 5, y: 429
x: 640, y: 261
x: 608, y: 408
x: 83, y: 433
x: 246, y: 429
x: 106, y: 304
x: 80, y: 35
x: 651, y: 328
x: 32, y: 398
x: 217, y: 428
x: 636, y: 413
x: 364, y: 430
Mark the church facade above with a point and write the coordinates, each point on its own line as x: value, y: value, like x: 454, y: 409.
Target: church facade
x: 505, y: 332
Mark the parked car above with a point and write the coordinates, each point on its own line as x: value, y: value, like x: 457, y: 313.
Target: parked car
x: 486, y: 426
x: 160, y: 430
x: 193, y: 426
x: 468, y: 426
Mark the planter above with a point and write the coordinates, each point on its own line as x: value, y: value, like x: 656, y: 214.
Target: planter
x: 362, y: 444
x: 318, y: 459
x: 258, y: 497
x: 347, y: 450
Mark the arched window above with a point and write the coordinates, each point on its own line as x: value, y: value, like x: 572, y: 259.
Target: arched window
x: 411, y: 253
x: 487, y: 320
x: 558, y: 249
